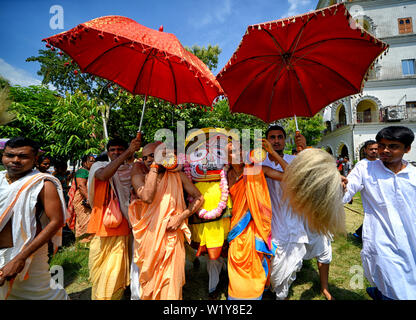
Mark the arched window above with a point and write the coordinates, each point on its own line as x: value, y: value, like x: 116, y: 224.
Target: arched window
x: 329, y: 150
x: 344, y: 151
x: 341, y: 116
x: 328, y: 126
x: 367, y: 112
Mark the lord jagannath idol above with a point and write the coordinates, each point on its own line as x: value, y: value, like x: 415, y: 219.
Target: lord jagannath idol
x: 206, y: 165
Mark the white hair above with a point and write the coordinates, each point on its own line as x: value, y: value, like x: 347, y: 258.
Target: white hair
x: 312, y: 185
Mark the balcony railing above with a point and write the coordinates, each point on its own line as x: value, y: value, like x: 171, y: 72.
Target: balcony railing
x: 369, y: 117
x: 411, y: 114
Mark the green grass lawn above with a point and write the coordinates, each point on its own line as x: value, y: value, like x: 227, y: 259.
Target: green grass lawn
x: 346, y: 262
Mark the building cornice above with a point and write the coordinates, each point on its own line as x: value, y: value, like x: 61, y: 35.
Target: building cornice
x: 400, y: 39
x: 366, y: 3
x: 338, y: 132
x: 405, y: 81
x: 376, y: 3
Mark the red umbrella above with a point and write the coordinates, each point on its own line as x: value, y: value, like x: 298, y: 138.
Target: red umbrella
x: 141, y: 60
x: 299, y: 65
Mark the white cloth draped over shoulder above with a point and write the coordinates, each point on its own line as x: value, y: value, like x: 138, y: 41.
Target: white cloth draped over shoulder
x: 18, y: 204
x: 286, y: 226
x: 120, y: 183
x: 389, y: 228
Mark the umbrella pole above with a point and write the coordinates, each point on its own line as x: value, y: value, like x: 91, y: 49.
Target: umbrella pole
x: 141, y: 118
x: 297, y: 133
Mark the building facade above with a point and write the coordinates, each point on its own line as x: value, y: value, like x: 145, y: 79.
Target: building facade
x: 389, y: 94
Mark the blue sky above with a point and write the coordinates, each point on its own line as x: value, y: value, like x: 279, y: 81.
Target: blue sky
x: 24, y: 23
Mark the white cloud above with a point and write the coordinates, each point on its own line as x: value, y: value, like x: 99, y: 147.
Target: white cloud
x: 18, y: 76
x: 298, y: 7
x: 218, y: 16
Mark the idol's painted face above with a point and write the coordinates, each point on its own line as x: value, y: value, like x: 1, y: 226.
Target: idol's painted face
x: 18, y: 161
x: 277, y: 140
x: 391, y: 151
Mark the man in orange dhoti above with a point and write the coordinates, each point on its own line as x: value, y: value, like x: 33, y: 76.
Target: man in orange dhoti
x: 250, y: 245
x: 159, y: 225
x: 109, y: 261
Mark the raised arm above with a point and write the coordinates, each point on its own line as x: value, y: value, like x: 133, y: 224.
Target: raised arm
x: 176, y: 221
x: 145, y: 188
x: 108, y: 171
x: 273, y: 155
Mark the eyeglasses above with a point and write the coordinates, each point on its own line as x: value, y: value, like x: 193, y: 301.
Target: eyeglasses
x: 150, y: 155
x: 393, y: 146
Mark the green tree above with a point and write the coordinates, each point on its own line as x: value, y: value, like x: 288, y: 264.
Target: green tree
x: 5, y: 115
x: 311, y: 128
x: 33, y: 108
x: 4, y: 83
x: 65, y: 128
x: 58, y: 69
x: 76, y: 128
x: 208, y: 55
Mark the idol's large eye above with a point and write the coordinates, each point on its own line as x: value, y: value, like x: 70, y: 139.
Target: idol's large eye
x: 198, y: 155
x: 220, y: 153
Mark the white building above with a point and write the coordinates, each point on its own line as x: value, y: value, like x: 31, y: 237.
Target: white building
x: 389, y: 95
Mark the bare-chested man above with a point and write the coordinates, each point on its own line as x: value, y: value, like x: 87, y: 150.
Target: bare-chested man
x: 159, y: 224
x: 32, y: 212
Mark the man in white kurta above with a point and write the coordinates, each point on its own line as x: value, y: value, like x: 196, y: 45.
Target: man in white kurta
x: 294, y: 241
x: 288, y: 235
x: 389, y: 228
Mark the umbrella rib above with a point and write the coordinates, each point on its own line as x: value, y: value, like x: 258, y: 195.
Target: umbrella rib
x: 278, y: 46
x: 255, y: 58
x: 333, y: 39
x: 297, y: 38
x: 332, y: 70
x: 303, y: 91
x: 105, y: 52
x: 251, y: 81
x: 141, y: 70
x: 174, y: 82
x: 279, y: 75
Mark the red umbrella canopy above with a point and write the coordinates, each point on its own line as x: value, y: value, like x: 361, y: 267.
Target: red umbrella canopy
x: 299, y: 65
x: 140, y: 59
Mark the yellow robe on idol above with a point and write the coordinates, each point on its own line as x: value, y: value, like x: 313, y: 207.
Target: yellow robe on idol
x: 250, y: 236
x: 211, y: 235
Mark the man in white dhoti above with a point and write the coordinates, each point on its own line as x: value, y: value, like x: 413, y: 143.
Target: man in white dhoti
x: 388, y: 193
x: 32, y: 212
x: 289, y: 232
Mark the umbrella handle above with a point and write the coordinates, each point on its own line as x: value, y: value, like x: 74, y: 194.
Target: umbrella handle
x: 141, y: 118
x: 139, y: 135
x: 298, y: 148
x: 297, y: 134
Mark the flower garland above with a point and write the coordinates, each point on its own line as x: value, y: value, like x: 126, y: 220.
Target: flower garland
x: 214, y: 213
